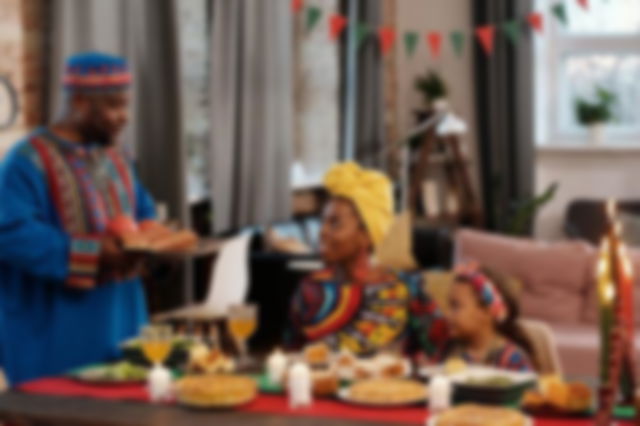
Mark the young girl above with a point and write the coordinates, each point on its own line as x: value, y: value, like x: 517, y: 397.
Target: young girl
x: 483, y: 322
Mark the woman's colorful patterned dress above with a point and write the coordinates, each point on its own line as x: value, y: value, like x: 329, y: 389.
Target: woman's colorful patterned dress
x: 389, y: 314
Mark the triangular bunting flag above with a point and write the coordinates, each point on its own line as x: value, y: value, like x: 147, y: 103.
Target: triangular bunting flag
x: 362, y: 31
x: 584, y: 4
x: 486, y: 37
x: 410, y: 42
x: 434, y: 40
x: 536, y: 20
x: 387, y: 37
x: 313, y: 16
x: 561, y: 13
x: 512, y: 31
x: 296, y: 5
x: 337, y: 23
x: 457, y: 40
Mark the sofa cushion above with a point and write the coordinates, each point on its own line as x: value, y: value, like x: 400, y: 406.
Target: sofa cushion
x: 555, y: 276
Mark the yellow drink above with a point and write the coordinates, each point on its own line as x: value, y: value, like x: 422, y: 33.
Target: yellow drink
x: 156, y: 351
x: 242, y: 328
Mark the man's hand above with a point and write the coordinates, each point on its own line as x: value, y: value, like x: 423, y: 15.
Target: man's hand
x: 115, y: 263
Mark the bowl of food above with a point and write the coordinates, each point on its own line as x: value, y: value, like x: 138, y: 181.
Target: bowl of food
x: 555, y: 397
x: 491, y: 385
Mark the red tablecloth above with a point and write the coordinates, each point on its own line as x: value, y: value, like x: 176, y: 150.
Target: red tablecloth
x: 266, y: 404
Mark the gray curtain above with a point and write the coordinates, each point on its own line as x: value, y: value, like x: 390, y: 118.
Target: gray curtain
x: 251, y: 112
x: 145, y: 32
x: 504, y: 93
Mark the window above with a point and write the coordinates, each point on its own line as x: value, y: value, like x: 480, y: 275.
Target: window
x: 599, y: 47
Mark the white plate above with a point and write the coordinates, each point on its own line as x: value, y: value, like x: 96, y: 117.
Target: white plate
x: 433, y: 420
x: 343, y: 395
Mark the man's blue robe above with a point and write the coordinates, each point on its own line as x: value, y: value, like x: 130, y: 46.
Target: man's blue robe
x: 49, y: 238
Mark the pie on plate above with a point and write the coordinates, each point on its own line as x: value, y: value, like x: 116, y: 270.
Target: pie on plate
x: 385, y: 392
x: 216, y: 391
x: 480, y: 415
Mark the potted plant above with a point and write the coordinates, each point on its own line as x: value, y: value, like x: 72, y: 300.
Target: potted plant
x: 433, y: 89
x: 595, y: 114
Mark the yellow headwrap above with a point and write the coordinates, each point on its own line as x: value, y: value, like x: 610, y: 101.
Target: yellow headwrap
x: 371, y: 193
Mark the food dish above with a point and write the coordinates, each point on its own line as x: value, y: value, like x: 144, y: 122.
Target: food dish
x: 555, y: 396
x: 318, y: 354
x: 111, y: 374
x: 491, y: 385
x: 385, y: 393
x: 202, y: 359
x: 381, y: 366
x: 324, y: 383
x: 480, y: 415
x: 215, y: 391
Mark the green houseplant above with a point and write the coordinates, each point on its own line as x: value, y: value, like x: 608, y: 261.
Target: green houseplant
x: 433, y: 89
x: 595, y: 114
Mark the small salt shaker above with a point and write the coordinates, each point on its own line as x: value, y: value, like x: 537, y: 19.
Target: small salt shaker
x: 440, y: 391
x: 159, y: 384
x: 299, y: 385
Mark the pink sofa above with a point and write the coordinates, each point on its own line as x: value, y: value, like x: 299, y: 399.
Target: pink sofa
x: 558, y: 287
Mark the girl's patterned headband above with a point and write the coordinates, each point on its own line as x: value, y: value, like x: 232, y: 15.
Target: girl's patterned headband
x: 487, y: 291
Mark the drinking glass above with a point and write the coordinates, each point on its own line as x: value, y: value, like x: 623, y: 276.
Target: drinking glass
x: 156, y: 343
x: 242, y: 322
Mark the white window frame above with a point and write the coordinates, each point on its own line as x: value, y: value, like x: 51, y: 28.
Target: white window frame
x: 550, y: 48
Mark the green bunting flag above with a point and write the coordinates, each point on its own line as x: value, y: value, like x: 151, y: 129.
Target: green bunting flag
x: 457, y: 40
x: 512, y: 31
x: 313, y: 16
x: 362, y: 31
x: 560, y: 11
x: 410, y: 42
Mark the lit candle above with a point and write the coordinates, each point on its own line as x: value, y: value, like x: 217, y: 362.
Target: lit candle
x: 276, y: 367
x: 299, y: 385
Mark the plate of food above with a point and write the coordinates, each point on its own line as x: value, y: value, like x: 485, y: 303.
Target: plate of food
x: 556, y: 398
x: 480, y: 415
x: 385, y: 393
x: 118, y: 374
x: 384, y: 365
x: 491, y: 385
x: 216, y: 391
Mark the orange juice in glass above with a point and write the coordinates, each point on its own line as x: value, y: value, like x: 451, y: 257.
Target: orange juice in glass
x: 156, y: 343
x: 242, y: 322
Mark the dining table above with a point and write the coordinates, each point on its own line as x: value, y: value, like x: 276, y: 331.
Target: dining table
x: 61, y: 401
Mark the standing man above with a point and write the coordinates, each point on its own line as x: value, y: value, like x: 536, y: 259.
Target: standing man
x: 68, y: 293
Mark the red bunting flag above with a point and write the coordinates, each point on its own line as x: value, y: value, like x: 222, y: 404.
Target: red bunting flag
x: 434, y: 40
x: 536, y: 20
x: 486, y: 37
x: 387, y: 37
x: 584, y: 4
x: 296, y: 5
x: 337, y: 24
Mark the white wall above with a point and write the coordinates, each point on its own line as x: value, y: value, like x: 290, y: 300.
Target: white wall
x: 444, y: 16
x: 583, y: 173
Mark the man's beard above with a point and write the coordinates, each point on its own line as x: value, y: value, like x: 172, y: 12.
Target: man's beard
x: 91, y: 133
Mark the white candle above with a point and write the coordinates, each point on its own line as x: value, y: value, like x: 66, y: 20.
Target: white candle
x: 440, y: 391
x: 276, y: 367
x: 160, y: 384
x: 299, y: 385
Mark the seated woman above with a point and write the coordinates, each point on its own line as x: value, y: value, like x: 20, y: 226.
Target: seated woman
x: 483, y: 323
x: 354, y: 304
